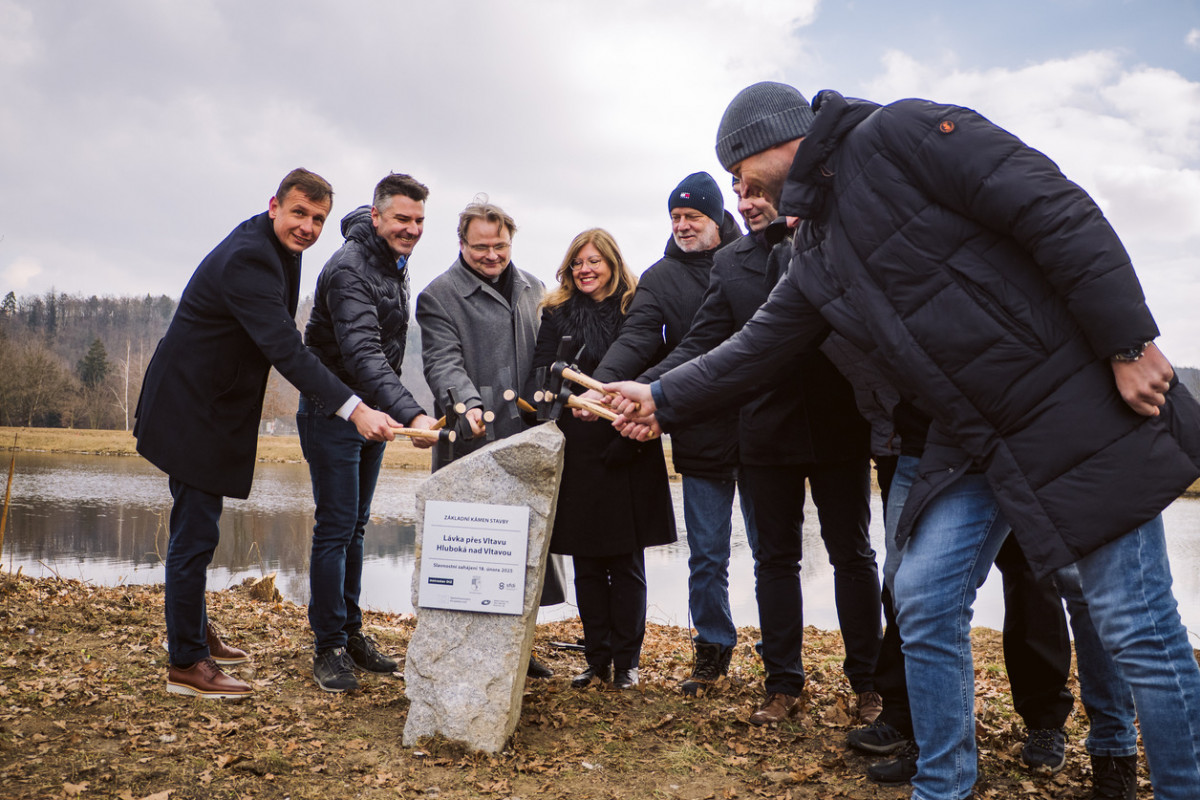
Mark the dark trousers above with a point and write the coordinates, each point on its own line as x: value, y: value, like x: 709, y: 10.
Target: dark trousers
x: 194, y: 534
x: 841, y: 492
x: 611, y: 593
x: 1037, y: 650
x: 344, y: 468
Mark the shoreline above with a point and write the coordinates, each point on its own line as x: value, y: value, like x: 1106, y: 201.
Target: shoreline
x: 271, y: 449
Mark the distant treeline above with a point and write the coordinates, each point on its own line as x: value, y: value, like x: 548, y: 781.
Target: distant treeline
x: 77, y: 362
x: 69, y: 361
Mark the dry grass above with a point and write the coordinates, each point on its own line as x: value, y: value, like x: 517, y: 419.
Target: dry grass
x: 285, y: 449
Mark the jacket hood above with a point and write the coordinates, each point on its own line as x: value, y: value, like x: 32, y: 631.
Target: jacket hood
x: 357, y: 227
x: 803, y: 192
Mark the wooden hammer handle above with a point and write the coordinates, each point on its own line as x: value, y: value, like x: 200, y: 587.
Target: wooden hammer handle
x: 421, y: 433
x: 586, y: 381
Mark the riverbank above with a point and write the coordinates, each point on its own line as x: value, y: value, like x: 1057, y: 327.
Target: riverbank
x: 84, y: 713
x: 283, y: 449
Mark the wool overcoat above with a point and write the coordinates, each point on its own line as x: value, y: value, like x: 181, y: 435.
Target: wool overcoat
x: 471, y: 337
x: 198, y: 414
x: 614, y: 498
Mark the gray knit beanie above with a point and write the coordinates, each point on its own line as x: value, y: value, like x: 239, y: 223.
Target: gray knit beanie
x: 760, y: 117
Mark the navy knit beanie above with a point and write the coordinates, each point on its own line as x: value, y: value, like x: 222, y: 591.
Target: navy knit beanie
x: 701, y: 192
x: 761, y: 116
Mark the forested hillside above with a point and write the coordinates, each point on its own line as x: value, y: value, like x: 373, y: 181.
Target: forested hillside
x: 73, y: 361
x: 77, y: 362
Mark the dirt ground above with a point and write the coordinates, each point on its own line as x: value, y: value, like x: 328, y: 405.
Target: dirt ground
x: 84, y: 713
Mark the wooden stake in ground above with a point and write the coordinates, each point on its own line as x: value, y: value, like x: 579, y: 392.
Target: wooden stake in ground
x: 12, y: 467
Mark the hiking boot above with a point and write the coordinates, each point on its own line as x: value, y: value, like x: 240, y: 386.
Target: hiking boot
x: 222, y: 653
x: 365, y: 654
x: 777, y: 708
x: 1114, y: 777
x: 206, y: 679
x: 712, y: 663
x: 869, y: 706
x: 625, y: 678
x: 1045, y: 750
x: 333, y: 670
x: 592, y: 673
x: 900, y: 769
x: 878, y: 738
x: 538, y: 670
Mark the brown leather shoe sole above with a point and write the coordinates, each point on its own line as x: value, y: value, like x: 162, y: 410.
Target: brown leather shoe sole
x: 206, y: 680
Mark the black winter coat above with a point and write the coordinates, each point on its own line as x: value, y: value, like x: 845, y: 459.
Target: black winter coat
x: 667, y: 298
x: 614, y: 497
x: 359, y: 320
x: 991, y: 291
x: 806, y: 414
x: 202, y: 397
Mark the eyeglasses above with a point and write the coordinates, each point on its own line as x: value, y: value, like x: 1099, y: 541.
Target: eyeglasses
x: 482, y: 249
x: 592, y: 262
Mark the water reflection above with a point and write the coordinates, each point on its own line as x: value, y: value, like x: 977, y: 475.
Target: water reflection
x: 104, y: 519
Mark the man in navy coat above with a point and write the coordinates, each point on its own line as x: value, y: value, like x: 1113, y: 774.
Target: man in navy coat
x: 202, y: 397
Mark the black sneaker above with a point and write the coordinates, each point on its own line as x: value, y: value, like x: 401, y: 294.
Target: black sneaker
x: 878, y: 738
x: 334, y: 671
x: 901, y: 769
x: 1114, y: 777
x: 538, y: 670
x: 593, y: 674
x: 365, y: 654
x: 625, y: 678
x: 1045, y: 750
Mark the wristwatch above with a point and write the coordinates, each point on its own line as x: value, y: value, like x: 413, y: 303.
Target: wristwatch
x: 1132, y: 354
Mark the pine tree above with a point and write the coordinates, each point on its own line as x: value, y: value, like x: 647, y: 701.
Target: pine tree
x: 93, y: 367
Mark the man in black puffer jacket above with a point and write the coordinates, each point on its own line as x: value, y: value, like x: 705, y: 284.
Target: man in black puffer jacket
x: 993, y: 294
x: 804, y: 427
x: 358, y: 327
x: 667, y: 297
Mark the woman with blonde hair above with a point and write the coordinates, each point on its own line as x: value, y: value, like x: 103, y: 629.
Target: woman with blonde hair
x: 614, y: 500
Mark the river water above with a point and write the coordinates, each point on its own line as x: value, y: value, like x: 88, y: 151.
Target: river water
x: 104, y: 520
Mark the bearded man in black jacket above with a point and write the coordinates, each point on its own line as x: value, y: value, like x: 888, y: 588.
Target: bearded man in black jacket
x: 666, y: 300
x: 995, y: 297
x: 358, y: 328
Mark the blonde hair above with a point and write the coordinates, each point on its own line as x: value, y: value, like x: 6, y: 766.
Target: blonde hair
x: 621, y: 281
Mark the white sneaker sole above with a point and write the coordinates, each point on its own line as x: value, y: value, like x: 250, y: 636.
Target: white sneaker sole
x: 192, y: 691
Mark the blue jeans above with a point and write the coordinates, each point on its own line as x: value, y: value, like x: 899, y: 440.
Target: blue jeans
x: 1126, y: 586
x: 941, y: 567
x: 344, y: 468
x: 707, y: 510
x: 1105, y: 695
x: 194, y: 534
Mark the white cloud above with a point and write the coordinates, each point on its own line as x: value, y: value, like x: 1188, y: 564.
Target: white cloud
x: 1192, y: 39
x: 19, y: 274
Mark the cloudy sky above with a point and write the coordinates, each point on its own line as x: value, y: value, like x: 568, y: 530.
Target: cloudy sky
x: 135, y: 133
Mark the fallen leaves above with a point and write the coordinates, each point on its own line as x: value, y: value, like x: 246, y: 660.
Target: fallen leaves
x: 83, y: 713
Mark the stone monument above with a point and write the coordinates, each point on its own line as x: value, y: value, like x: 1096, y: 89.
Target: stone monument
x: 465, y: 671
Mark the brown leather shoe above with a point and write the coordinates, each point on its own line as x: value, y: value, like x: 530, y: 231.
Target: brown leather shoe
x: 206, y: 679
x: 222, y: 653
x: 777, y: 708
x: 870, y: 706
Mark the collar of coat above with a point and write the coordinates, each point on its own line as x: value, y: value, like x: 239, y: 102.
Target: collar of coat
x: 804, y: 190
x: 467, y: 281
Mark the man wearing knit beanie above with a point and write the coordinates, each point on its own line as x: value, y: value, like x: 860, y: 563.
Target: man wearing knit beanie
x: 667, y: 297
x: 996, y: 297
x: 761, y: 117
